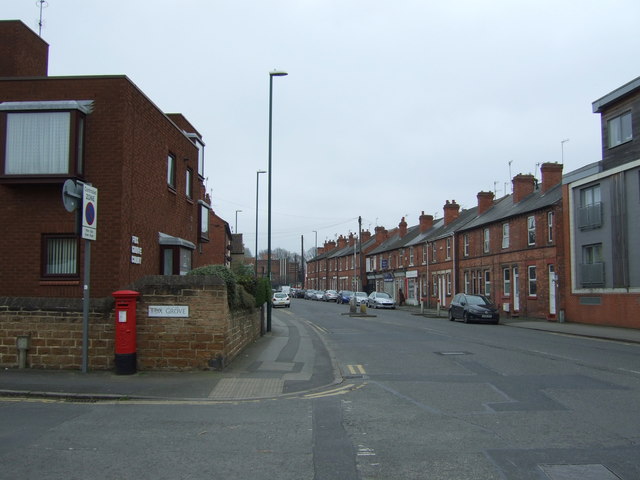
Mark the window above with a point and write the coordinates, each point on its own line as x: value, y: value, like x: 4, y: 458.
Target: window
x: 188, y: 189
x: 433, y: 252
x: 619, y: 130
x: 424, y: 253
x: 505, y: 235
x: 175, y: 260
x: 531, y: 230
x: 487, y: 283
x: 550, y: 227
x: 401, y: 257
x: 204, y: 221
x: 60, y: 256
x: 533, y: 287
x: 465, y: 244
x: 410, y: 255
x: 448, y: 248
x: 448, y: 276
x: 506, y: 282
x: 434, y: 291
x: 590, y: 210
x: 43, y: 138
x: 592, y: 267
x: 171, y: 171
x: 486, y: 239
x: 466, y: 282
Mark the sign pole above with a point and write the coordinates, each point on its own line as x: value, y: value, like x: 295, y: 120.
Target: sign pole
x: 86, y: 297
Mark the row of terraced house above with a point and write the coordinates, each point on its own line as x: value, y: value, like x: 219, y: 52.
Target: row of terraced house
x: 562, y: 247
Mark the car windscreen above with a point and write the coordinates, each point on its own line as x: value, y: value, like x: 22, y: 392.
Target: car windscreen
x: 383, y: 295
x: 474, y: 300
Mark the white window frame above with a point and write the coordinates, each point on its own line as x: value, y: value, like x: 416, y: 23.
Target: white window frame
x: 505, y: 235
x: 486, y: 240
x: 487, y: 283
x: 531, y: 230
x: 506, y: 282
x: 448, y: 248
x: 465, y: 244
x: 550, y: 226
x: 532, y: 281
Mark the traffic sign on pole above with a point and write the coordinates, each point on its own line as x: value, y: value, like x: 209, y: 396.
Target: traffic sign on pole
x: 89, y: 212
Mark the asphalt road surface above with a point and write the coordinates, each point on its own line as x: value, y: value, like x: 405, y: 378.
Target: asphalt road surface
x: 427, y: 399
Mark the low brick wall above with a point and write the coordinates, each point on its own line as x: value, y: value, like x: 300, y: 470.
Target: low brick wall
x: 210, y: 337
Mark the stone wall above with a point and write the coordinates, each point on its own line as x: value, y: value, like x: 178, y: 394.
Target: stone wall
x: 210, y: 337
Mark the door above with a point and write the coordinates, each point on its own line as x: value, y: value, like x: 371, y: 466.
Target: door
x: 516, y: 290
x: 552, y: 290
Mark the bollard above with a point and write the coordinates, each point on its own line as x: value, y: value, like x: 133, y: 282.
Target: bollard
x: 23, y: 344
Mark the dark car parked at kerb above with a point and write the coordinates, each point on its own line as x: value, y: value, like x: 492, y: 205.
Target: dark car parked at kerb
x: 473, y: 308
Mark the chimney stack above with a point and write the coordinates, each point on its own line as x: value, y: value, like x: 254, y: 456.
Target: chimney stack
x: 426, y: 222
x: 485, y: 201
x: 402, y: 228
x: 551, y: 175
x: 523, y: 185
x: 451, y: 211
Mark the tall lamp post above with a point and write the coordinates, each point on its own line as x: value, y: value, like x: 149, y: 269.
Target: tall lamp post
x: 275, y: 73
x: 257, y: 189
x: 236, y: 227
x: 317, y: 264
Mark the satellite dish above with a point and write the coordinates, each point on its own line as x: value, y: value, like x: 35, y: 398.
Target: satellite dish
x: 71, y: 195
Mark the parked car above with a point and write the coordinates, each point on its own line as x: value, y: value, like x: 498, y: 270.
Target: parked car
x: 380, y: 300
x: 300, y: 292
x: 344, y: 296
x: 280, y: 299
x: 473, y: 308
x: 308, y: 294
x: 317, y: 295
x: 330, y: 296
x: 361, y: 297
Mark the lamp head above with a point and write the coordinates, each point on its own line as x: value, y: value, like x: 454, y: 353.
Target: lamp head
x: 278, y: 73
x: 261, y: 171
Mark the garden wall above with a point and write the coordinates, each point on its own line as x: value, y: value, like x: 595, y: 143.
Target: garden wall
x: 210, y: 336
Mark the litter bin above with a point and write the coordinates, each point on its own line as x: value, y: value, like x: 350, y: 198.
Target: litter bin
x: 125, y: 341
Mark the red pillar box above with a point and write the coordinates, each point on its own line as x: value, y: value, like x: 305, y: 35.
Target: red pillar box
x: 125, y: 319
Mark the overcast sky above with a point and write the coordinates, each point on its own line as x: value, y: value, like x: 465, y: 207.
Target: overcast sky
x: 390, y: 108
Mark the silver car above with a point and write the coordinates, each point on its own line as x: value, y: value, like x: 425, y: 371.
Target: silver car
x: 380, y: 300
x: 330, y: 296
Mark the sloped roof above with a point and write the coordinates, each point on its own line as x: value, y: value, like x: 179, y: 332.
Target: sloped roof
x: 504, y: 207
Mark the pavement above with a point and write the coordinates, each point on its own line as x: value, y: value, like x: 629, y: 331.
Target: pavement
x: 291, y: 360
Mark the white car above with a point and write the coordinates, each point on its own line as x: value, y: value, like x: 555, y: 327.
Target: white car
x: 380, y: 300
x: 361, y: 297
x: 280, y: 299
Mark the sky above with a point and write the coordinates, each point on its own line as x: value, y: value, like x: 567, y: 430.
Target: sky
x: 389, y: 109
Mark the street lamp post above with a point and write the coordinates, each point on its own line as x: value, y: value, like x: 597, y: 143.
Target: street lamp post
x: 275, y: 73
x: 257, y: 189
x: 317, y: 264
x: 236, y: 227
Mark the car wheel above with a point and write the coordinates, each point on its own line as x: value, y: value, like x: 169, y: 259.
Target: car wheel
x: 451, y: 317
x: 466, y: 318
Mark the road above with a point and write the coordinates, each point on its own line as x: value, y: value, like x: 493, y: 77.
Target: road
x: 430, y: 399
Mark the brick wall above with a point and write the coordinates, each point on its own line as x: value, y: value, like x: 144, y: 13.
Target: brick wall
x: 210, y: 337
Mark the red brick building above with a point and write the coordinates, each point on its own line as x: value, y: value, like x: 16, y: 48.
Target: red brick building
x: 153, y: 216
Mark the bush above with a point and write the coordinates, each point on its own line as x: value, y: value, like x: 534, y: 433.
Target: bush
x: 263, y: 291
x: 237, y: 296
